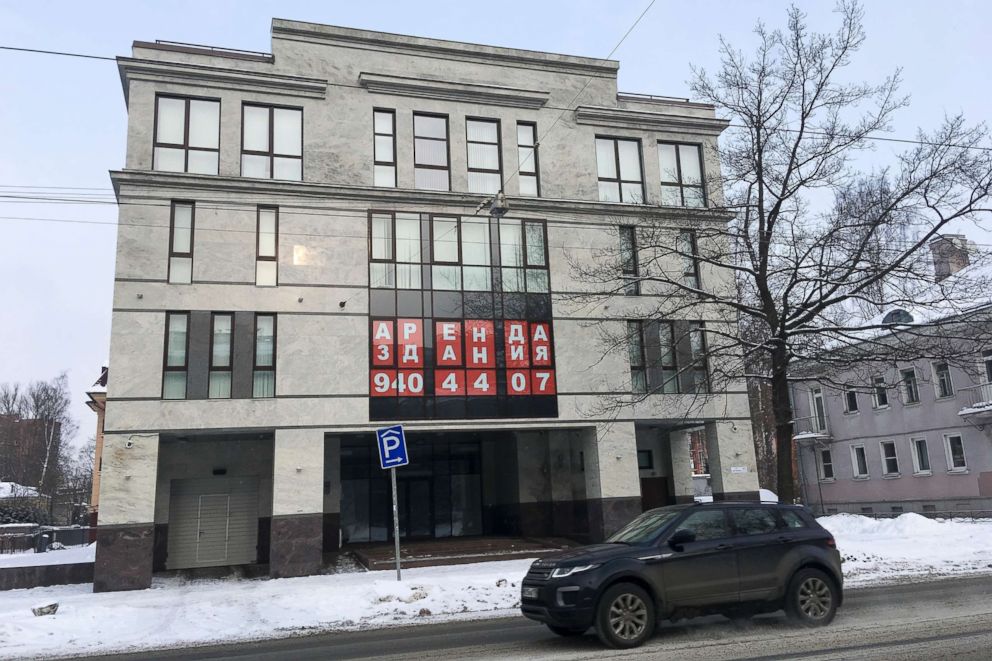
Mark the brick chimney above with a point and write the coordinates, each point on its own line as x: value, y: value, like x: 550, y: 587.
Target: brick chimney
x: 950, y: 255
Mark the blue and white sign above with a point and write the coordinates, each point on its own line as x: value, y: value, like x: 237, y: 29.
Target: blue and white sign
x: 392, y: 447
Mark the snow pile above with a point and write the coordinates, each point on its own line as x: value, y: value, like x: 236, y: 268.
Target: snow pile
x: 176, y: 612
x: 15, y: 490
x: 65, y: 556
x: 909, y: 547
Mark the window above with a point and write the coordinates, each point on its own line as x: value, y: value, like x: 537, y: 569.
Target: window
x: 667, y: 358
x: 187, y: 135
x: 754, y: 521
x: 384, y: 148
x: 860, y: 461
x: 221, y: 329
x: 635, y: 349
x: 395, y: 250
x: 687, y: 250
x: 272, y: 142
x: 645, y: 460
x: 880, y: 396
x: 793, y: 520
x: 921, y: 456
x: 267, y: 247
x: 850, y: 400
x: 527, y: 176
x: 181, y: 221
x: 430, y: 152
x: 176, y: 355
x: 485, y: 171
x: 910, y: 387
x: 942, y: 380
x: 987, y: 359
x: 619, y: 167
x: 697, y: 347
x: 681, y: 175
x: 819, y: 413
x: 890, y: 462
x: 264, y: 377
x: 707, y: 524
x: 826, y: 465
x: 462, y: 242
x: 954, y: 449
x: 523, y: 256
x: 628, y: 260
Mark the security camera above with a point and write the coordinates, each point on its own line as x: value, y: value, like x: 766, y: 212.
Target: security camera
x: 128, y: 444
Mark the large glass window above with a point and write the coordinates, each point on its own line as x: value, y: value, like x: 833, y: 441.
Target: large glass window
x: 430, y: 152
x: 264, y: 378
x: 527, y: 164
x: 187, y: 135
x: 395, y: 250
x: 267, y: 247
x: 652, y: 357
x: 697, y: 347
x: 681, y: 175
x: 181, y: 223
x: 687, y: 250
x: 484, y: 156
x: 176, y: 355
x: 272, y: 142
x: 523, y: 256
x: 221, y: 332
x: 384, y: 139
x: 638, y: 364
x: 619, y: 167
x: 629, y: 261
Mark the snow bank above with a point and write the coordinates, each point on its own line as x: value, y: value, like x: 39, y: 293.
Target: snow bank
x: 15, y: 490
x: 909, y: 547
x: 66, y: 556
x: 181, y: 613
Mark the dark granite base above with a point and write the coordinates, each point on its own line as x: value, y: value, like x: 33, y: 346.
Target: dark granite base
x: 736, y: 496
x: 607, y: 515
x: 123, y: 557
x: 264, y: 543
x: 536, y: 519
x: 160, y: 547
x: 19, y: 578
x: 296, y: 543
x: 331, y: 531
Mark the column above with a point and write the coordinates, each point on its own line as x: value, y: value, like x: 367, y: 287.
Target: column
x: 681, y: 467
x: 533, y: 484
x: 126, y: 531
x: 613, y: 488
x: 297, y: 503
x: 733, y: 470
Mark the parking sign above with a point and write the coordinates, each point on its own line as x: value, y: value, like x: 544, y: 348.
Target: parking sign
x: 392, y: 447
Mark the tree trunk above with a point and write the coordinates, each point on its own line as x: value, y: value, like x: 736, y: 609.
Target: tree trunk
x: 785, y: 483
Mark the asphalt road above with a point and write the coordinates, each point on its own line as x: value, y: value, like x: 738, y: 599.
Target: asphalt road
x: 946, y: 619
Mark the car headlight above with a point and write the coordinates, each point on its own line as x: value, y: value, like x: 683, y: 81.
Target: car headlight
x: 562, y: 572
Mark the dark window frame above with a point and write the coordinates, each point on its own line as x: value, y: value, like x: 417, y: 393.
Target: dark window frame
x: 375, y: 156
x: 275, y: 343
x: 271, y: 154
x: 693, y: 258
x: 172, y: 234
x: 165, y: 353
x: 851, y: 397
x: 458, y: 238
x: 700, y: 363
x: 185, y: 145
x: 620, y: 181
x: 649, y: 464
x: 824, y: 464
x: 945, y: 368
x: 635, y: 328
x: 885, y: 458
x: 537, y: 165
x: 447, y: 147
x: 681, y: 185
x: 630, y: 273
x: 212, y: 367
x: 915, y: 399
x: 499, y: 149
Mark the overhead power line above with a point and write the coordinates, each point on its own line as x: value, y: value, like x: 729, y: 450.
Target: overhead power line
x: 55, y: 52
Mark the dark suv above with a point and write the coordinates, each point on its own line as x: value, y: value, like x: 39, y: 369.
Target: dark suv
x: 686, y: 560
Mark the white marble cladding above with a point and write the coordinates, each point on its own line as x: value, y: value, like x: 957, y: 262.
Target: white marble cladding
x: 297, y: 472
x: 127, y: 478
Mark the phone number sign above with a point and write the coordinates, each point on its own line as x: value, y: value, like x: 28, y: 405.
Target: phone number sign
x: 466, y: 362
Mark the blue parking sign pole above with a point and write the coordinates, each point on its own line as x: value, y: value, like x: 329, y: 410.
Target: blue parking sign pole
x: 392, y: 453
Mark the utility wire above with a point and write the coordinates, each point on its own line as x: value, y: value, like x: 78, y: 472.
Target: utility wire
x: 55, y: 52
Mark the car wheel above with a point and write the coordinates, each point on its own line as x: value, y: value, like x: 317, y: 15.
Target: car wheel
x: 812, y: 598
x: 625, y: 616
x: 566, y: 631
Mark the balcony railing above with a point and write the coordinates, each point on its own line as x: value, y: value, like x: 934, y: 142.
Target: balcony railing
x: 809, y: 426
x: 977, y: 397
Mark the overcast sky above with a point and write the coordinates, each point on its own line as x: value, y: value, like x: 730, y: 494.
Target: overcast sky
x: 62, y: 119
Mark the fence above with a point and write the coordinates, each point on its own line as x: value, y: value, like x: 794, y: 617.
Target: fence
x: 42, y: 537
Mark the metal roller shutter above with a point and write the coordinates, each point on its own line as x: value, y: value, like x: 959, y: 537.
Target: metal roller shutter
x: 213, y: 522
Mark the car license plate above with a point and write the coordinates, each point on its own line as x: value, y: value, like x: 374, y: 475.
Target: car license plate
x: 530, y: 593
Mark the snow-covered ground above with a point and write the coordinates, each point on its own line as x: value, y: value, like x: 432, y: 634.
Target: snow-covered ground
x: 15, y: 490
x: 65, y: 556
x: 176, y: 612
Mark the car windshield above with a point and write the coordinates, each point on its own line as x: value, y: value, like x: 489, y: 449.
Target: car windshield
x: 644, y: 528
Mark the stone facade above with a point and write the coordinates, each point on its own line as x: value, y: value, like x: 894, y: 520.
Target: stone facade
x: 574, y: 473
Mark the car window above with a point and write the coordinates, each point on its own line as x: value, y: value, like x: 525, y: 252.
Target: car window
x: 707, y: 524
x: 792, y: 520
x: 754, y: 521
x: 645, y: 527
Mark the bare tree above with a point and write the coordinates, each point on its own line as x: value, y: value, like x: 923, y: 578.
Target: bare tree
x: 813, y: 238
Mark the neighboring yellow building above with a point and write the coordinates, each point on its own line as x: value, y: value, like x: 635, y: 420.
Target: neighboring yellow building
x: 98, y: 403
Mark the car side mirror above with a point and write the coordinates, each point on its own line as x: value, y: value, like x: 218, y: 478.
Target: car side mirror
x: 681, y: 536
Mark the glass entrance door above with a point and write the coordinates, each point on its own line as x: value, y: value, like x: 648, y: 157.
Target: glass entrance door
x: 415, y: 508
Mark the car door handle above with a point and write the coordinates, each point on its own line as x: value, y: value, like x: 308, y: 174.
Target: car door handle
x: 724, y: 547
x: 782, y: 539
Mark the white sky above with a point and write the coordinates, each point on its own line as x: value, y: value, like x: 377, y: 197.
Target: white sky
x: 62, y: 120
